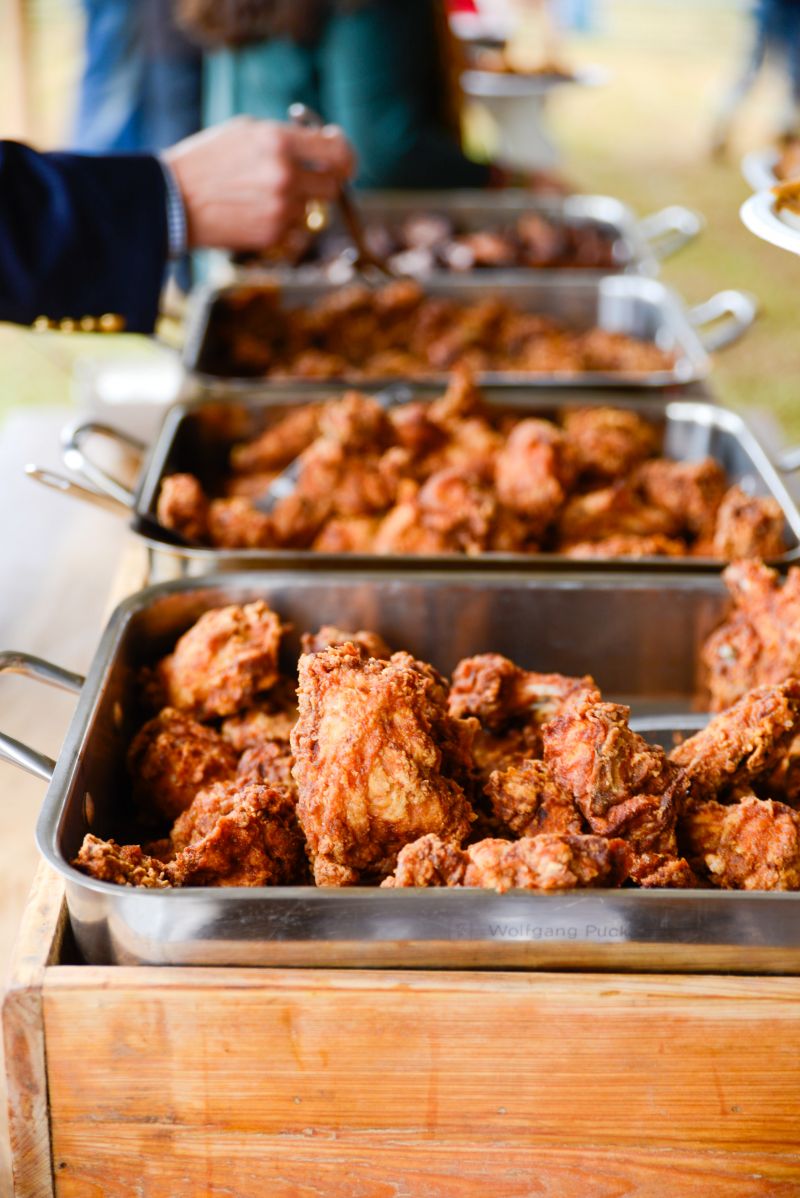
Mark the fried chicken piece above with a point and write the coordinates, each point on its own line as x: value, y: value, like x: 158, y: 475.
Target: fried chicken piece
x: 612, y: 511
x: 173, y: 757
x: 759, y: 643
x: 497, y: 691
x: 280, y: 443
x: 247, y: 486
x: 347, y: 534
x: 606, y: 351
x: 270, y: 764
x: 403, y: 531
x: 372, y: 643
x: 236, y: 524
x: 223, y: 661
x: 534, y: 472
x: 690, y: 492
x: 748, y: 526
x: 519, y: 741
x: 238, y: 834
x: 528, y: 800
x: 783, y: 781
x: 753, y: 845
x: 552, y: 861
x: 625, y: 545
x: 663, y: 871
x: 622, y: 785
x: 608, y: 442
x: 356, y: 421
x: 377, y: 760
x: 743, y: 742
x: 183, y: 506
x: 460, y: 508
x: 125, y: 865
x: 297, y: 519
x: 271, y: 719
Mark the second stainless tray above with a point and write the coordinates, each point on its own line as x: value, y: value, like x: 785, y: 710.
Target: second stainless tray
x: 196, y: 438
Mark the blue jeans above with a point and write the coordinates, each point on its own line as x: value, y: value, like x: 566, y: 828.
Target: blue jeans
x: 133, y: 95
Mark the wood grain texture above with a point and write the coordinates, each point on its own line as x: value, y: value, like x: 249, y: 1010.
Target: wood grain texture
x: 247, y: 1082
x: 37, y: 946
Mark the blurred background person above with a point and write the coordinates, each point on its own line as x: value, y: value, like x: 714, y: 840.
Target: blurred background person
x: 383, y: 70
x: 142, y: 77
x: 775, y: 34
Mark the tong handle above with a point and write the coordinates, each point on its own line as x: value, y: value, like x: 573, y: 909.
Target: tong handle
x: 14, y: 751
x: 66, y: 486
x: 76, y: 459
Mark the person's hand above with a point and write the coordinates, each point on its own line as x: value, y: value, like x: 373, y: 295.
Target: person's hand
x: 245, y: 183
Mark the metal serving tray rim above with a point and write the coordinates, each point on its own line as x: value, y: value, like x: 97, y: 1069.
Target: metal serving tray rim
x: 151, y: 474
x: 48, y: 823
x: 693, y: 362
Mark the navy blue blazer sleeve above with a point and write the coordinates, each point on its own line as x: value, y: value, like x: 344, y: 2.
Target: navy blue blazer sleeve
x: 81, y: 235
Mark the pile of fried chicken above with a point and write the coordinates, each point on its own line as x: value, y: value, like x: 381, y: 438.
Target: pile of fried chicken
x: 397, y: 331
x: 375, y: 770
x: 457, y: 476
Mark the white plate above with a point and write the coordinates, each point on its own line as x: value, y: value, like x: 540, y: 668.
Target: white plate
x: 758, y: 168
x: 499, y: 85
x: 778, y: 228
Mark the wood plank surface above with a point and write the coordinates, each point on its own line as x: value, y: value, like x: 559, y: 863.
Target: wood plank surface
x: 37, y: 946
x: 249, y: 1082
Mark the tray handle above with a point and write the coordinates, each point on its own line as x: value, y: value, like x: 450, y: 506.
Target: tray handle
x: 34, y: 667
x: 72, y: 439
x: 789, y: 460
x: 726, y: 315
x: 66, y: 486
x: 670, y: 229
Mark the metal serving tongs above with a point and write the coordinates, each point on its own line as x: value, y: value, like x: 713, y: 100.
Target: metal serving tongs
x: 284, y: 484
x: 301, y: 114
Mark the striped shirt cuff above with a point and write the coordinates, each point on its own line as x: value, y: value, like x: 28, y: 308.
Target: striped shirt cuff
x: 177, y: 237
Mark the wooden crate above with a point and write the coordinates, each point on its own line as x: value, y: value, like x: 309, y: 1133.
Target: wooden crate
x: 164, y: 1082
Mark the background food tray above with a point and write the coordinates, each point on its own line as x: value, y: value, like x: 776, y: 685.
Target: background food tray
x: 640, y: 307
x: 196, y: 438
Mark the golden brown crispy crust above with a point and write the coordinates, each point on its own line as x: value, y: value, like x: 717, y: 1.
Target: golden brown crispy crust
x: 225, y: 659
x: 372, y: 643
x: 555, y: 861
x: 183, y: 506
x: 689, y: 492
x: 172, y: 758
x: 759, y: 643
x: 752, y: 845
x: 616, y: 510
x: 534, y: 472
x: 609, y: 442
x: 272, y: 719
x: 270, y: 764
x: 125, y: 865
x: 625, y: 545
x: 234, y: 834
x: 527, y: 800
x: 622, y: 785
x: 376, y: 759
x: 496, y: 691
x: 748, y: 526
x: 236, y: 524
x: 741, y: 743
x: 279, y: 444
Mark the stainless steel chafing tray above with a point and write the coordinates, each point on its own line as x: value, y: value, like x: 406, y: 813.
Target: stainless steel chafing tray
x: 196, y: 438
x: 637, y: 245
x: 642, y: 648
x: 640, y: 307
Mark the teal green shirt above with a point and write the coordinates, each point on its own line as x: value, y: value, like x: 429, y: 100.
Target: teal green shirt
x: 375, y: 72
